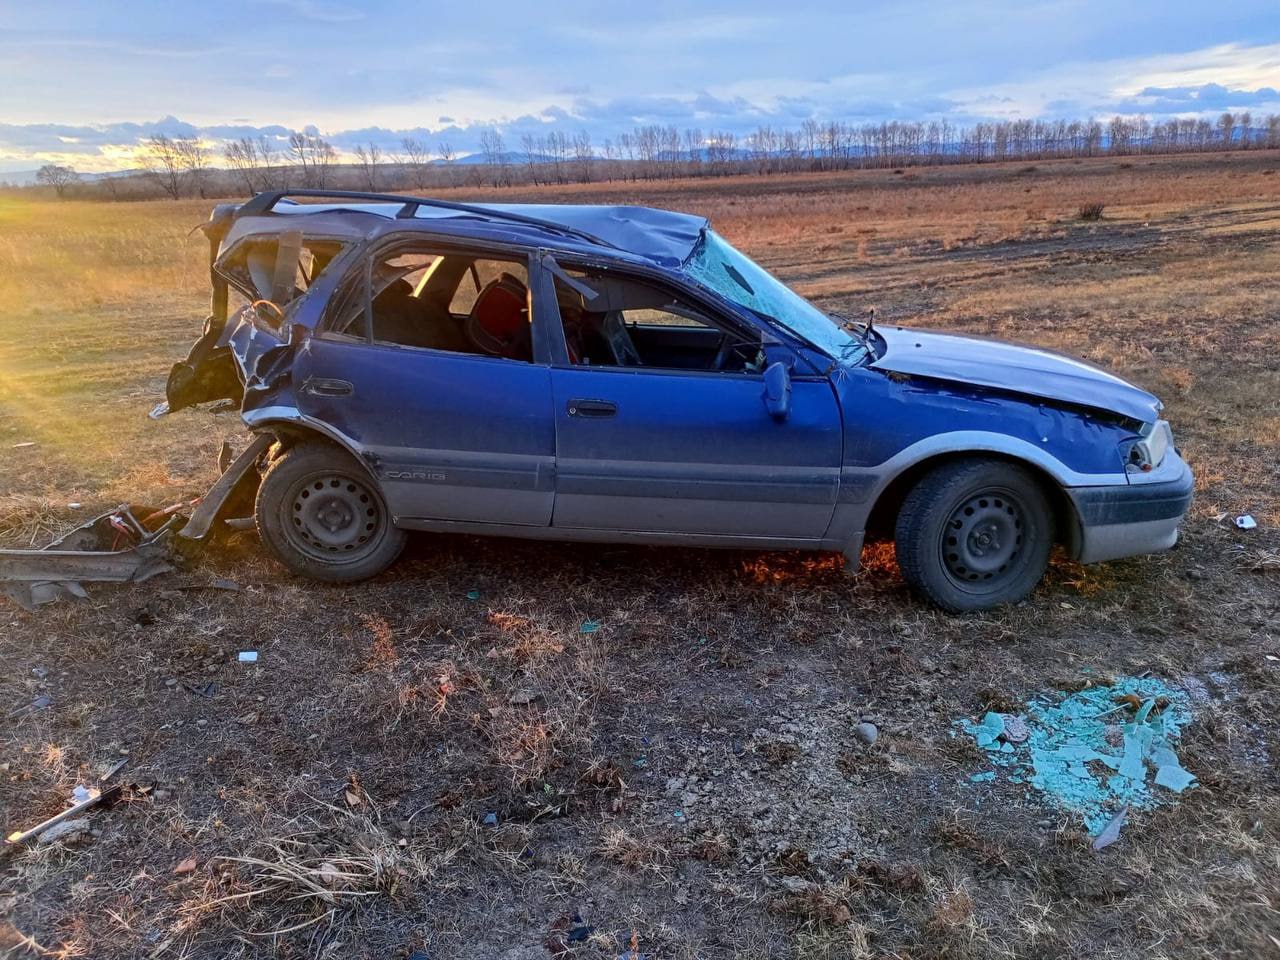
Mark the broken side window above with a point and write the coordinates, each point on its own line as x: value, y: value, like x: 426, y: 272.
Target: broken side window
x: 276, y: 269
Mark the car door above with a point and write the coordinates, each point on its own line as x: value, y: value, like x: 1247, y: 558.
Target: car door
x: 451, y: 434
x: 685, y: 451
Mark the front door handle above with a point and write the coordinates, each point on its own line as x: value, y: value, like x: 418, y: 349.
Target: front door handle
x: 325, y: 387
x: 592, y: 408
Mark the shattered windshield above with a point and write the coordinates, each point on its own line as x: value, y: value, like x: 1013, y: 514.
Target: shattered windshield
x: 741, y: 280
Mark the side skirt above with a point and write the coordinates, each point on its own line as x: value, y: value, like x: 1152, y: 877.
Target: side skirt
x: 585, y: 535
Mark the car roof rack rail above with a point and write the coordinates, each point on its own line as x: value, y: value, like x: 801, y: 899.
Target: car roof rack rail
x: 266, y: 200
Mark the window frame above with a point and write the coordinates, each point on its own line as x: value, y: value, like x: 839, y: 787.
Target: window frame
x: 362, y: 273
x: 550, y: 265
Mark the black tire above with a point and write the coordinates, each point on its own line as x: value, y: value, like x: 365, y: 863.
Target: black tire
x: 974, y: 534
x: 323, y: 516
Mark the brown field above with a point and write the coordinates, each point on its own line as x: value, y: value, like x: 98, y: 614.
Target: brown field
x: 333, y: 795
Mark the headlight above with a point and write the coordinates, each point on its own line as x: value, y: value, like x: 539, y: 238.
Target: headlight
x: 1148, y: 452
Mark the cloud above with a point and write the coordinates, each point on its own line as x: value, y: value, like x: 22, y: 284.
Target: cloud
x: 318, y: 11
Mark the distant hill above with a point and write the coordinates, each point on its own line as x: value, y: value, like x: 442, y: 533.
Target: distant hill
x: 27, y: 178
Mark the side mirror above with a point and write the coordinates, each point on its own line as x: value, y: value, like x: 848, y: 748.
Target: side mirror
x: 777, y: 390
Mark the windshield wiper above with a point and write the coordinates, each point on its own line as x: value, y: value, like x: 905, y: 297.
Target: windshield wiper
x: 863, y: 329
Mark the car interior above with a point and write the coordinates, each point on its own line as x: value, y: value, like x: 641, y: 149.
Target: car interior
x: 450, y: 302
x: 477, y: 305
x: 613, y: 321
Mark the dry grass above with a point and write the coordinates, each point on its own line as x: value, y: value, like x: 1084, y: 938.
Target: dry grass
x: 508, y: 772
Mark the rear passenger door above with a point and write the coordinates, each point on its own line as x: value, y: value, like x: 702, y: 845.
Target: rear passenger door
x: 451, y: 432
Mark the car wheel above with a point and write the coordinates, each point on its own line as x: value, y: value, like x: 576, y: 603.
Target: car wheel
x: 324, y: 517
x: 974, y: 534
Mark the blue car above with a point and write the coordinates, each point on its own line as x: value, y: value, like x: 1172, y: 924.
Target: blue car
x: 623, y: 374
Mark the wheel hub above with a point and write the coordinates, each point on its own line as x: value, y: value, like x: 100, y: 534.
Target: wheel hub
x: 983, y: 538
x: 334, y: 514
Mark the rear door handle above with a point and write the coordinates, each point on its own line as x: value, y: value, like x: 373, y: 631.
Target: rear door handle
x: 325, y: 387
x: 592, y: 408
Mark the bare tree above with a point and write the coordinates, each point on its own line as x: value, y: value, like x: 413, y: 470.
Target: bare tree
x: 163, y: 165
x: 194, y: 157
x: 533, y: 148
x: 495, y: 155
x: 447, y: 156
x: 367, y: 159
x: 1227, y: 124
x: 242, y: 157
x: 313, y: 156
x: 583, y: 155
x: 415, y: 155
x: 273, y: 174
x: 57, y: 176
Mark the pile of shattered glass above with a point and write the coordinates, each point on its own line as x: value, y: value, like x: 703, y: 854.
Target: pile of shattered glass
x: 1096, y: 752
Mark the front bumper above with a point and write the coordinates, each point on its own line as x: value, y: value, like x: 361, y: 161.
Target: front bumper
x: 1139, y: 517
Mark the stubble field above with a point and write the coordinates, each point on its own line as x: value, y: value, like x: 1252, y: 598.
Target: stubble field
x: 441, y: 760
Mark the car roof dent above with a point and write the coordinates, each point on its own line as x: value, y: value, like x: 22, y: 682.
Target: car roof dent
x: 662, y: 237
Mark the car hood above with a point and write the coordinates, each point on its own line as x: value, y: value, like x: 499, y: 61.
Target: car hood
x: 1018, y: 369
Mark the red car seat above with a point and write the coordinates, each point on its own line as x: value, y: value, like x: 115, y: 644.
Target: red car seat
x: 498, y: 323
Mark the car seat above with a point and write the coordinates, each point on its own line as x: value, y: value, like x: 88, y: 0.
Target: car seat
x: 499, y: 323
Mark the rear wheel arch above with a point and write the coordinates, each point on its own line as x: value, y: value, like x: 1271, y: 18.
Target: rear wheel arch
x: 291, y: 433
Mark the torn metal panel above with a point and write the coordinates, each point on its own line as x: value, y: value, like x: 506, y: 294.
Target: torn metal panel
x: 197, y: 528
x: 112, y: 548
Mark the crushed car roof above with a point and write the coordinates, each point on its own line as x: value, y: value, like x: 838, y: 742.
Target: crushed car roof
x: 662, y: 236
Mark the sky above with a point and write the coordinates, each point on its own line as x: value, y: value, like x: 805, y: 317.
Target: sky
x: 83, y: 82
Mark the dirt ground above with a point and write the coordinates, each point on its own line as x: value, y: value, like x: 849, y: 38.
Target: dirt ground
x: 519, y: 749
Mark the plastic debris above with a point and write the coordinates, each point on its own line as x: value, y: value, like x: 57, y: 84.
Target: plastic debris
x: 1015, y: 728
x: 983, y: 777
x: 490, y: 819
x: 589, y: 626
x: 1246, y: 522
x: 1111, y: 832
x: 1086, y: 753
x: 248, y: 656
x: 473, y: 594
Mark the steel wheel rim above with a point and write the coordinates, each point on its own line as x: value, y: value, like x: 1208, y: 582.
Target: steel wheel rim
x: 984, y: 540
x: 334, y: 518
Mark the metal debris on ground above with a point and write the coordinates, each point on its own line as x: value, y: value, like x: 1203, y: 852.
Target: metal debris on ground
x: 116, y: 547
x: 110, y: 795
x: 39, y: 703
x: 1094, y: 751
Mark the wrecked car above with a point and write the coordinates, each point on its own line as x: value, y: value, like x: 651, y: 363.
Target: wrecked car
x: 599, y: 373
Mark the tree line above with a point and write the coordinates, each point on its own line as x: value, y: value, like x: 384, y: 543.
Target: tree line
x: 175, y: 167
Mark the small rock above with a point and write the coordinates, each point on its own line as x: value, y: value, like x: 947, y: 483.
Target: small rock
x: 867, y: 733
x: 39, y: 672
x: 171, y: 682
x: 68, y: 831
x: 795, y: 884
x: 522, y: 698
